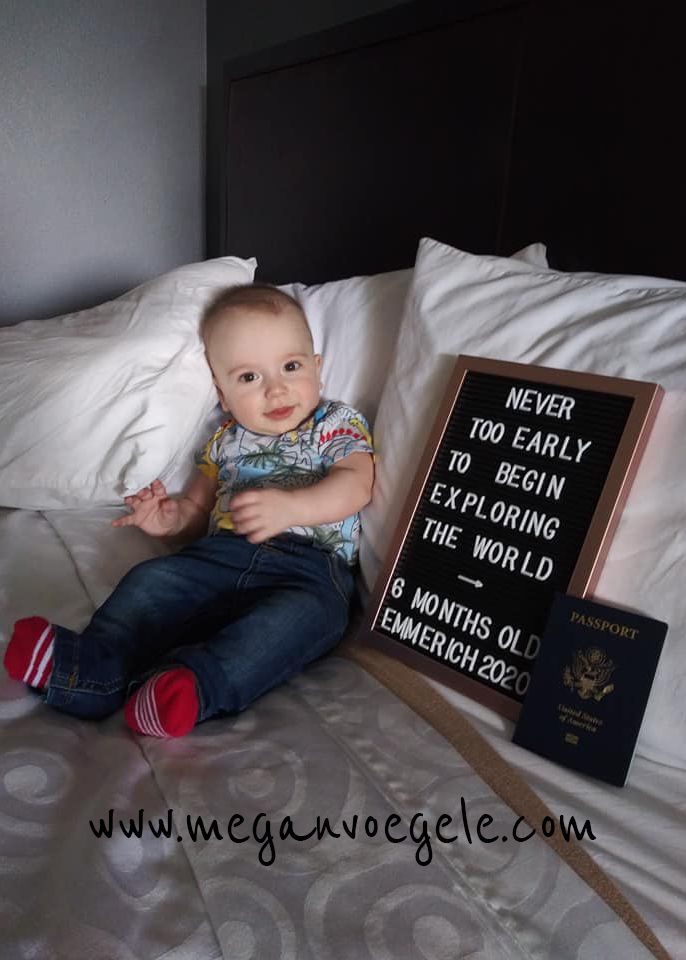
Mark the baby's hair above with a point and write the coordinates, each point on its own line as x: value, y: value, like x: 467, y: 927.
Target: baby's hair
x: 261, y: 296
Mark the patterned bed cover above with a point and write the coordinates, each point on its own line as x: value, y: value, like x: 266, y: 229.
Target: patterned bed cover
x: 325, y: 810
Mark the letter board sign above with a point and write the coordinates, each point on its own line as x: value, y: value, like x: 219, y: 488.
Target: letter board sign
x: 516, y: 497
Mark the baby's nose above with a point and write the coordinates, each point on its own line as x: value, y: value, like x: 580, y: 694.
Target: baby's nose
x: 274, y: 385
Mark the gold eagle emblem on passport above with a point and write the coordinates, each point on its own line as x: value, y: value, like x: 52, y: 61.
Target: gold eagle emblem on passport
x: 589, y: 673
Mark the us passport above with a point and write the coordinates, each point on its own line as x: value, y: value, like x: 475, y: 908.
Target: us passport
x: 590, y: 687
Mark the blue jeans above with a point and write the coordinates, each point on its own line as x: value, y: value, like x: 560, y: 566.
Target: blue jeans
x: 243, y: 617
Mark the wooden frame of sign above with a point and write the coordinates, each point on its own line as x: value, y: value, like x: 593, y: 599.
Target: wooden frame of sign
x: 517, y: 495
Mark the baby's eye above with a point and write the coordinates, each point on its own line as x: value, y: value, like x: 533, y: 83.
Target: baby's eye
x: 247, y: 377
x: 292, y: 365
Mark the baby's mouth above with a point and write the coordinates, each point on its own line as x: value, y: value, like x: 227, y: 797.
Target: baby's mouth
x: 280, y: 413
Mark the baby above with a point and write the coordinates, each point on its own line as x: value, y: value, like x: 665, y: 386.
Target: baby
x: 244, y: 606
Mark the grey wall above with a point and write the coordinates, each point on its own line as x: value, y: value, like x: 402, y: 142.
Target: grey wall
x: 101, y: 148
x: 239, y: 27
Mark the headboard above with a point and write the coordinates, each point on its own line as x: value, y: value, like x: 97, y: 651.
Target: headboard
x: 487, y: 124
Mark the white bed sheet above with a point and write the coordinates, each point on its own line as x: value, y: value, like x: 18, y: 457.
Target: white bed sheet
x: 640, y: 828
x: 157, y: 899
x: 57, y: 773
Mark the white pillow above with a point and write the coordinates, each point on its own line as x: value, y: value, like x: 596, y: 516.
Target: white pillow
x: 96, y: 404
x: 492, y: 307
x: 355, y: 324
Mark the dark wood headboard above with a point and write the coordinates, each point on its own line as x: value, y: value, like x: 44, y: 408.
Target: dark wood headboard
x: 486, y: 124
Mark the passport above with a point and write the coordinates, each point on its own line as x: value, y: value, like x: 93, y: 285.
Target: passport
x: 590, y: 687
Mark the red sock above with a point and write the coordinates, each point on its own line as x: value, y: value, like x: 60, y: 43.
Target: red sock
x: 29, y: 653
x: 166, y: 705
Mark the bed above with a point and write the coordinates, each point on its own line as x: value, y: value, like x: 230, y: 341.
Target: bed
x: 492, y: 178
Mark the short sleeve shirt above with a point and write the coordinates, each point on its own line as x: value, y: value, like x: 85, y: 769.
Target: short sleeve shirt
x: 241, y: 460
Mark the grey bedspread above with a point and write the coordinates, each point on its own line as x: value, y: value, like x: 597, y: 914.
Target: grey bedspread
x: 333, y: 749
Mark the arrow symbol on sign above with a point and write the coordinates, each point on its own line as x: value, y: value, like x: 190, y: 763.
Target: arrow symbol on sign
x: 475, y: 583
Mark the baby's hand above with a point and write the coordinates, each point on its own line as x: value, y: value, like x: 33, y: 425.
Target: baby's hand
x: 261, y: 514
x: 152, y: 510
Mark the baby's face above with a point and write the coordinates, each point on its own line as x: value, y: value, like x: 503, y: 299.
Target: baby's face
x: 266, y: 373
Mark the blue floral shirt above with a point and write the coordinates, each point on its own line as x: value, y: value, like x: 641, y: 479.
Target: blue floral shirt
x: 241, y: 460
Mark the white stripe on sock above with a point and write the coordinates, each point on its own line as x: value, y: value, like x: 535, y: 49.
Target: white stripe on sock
x: 140, y: 721
x: 155, y: 714
x: 146, y: 711
x: 45, y: 667
x: 141, y: 710
x: 36, y: 650
x: 137, y: 711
